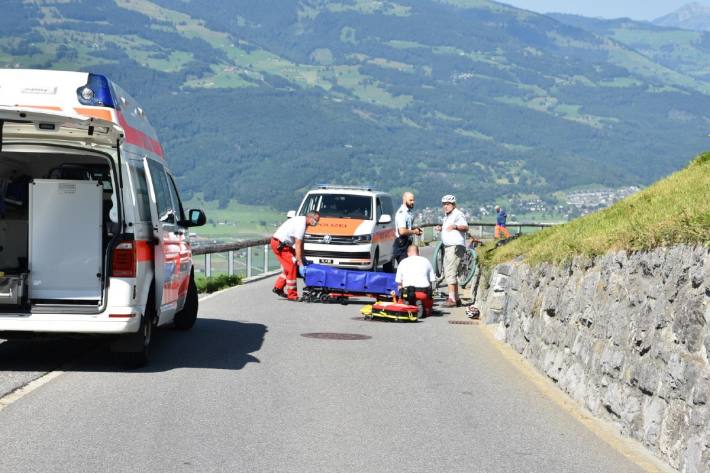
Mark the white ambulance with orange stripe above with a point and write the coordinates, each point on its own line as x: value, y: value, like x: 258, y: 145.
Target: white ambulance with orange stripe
x: 93, y: 235
x: 356, y: 228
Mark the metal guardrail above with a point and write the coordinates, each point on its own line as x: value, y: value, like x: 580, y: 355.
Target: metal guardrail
x: 230, y: 250
x: 252, y: 247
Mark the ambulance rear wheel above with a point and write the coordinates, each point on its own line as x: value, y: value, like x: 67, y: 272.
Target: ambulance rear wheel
x: 134, y: 349
x: 185, y: 319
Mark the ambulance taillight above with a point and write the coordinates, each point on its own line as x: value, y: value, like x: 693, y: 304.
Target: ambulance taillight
x: 123, y: 260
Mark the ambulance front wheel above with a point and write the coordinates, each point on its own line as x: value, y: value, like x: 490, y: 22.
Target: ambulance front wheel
x: 185, y: 319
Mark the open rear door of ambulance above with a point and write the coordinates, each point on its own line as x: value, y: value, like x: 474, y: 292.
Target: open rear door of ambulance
x: 28, y: 125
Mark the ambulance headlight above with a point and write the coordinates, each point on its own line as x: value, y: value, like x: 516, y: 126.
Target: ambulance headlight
x: 362, y: 239
x: 87, y: 94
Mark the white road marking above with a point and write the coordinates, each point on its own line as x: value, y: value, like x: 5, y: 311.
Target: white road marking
x: 23, y: 391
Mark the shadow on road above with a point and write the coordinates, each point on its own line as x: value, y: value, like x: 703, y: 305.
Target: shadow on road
x: 212, y: 343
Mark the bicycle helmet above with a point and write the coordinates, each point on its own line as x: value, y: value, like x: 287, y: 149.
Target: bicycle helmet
x: 448, y: 199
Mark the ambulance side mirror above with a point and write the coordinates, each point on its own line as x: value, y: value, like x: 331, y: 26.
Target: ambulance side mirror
x: 195, y: 218
x: 385, y: 218
x: 291, y: 214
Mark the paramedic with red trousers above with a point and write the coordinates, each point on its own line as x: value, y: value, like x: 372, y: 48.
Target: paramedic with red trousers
x: 287, y: 245
x: 415, y: 274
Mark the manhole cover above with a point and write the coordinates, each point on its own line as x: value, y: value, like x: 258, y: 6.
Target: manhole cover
x: 336, y: 336
x: 464, y: 322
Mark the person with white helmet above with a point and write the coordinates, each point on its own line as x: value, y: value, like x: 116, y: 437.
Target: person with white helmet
x: 453, y: 238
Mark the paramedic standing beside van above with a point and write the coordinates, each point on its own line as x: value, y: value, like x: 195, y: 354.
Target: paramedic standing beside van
x: 287, y: 245
x: 453, y: 231
x: 404, y: 229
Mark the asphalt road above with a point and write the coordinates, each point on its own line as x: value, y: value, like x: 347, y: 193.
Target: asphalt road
x: 245, y: 391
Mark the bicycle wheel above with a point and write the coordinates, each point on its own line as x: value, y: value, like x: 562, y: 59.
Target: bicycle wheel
x: 467, y: 267
x: 437, y: 261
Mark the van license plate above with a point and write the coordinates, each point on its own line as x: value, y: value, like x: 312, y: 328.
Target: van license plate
x: 326, y: 261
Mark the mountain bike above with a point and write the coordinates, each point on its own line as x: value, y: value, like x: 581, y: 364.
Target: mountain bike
x: 468, y: 266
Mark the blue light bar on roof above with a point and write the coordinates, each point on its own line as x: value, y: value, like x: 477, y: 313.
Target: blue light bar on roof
x: 96, y: 92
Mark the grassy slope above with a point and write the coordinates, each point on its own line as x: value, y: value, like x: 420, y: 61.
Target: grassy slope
x: 675, y: 210
x: 235, y: 220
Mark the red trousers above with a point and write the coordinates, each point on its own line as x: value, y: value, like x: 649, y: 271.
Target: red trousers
x: 287, y: 278
x: 426, y: 300
x: 501, y: 229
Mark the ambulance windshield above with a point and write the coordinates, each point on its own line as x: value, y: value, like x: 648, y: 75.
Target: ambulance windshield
x: 339, y: 206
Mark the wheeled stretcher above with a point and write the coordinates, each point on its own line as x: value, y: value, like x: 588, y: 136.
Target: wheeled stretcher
x: 327, y: 284
x: 396, y: 311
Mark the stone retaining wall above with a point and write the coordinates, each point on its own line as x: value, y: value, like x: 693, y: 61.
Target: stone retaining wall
x: 627, y: 335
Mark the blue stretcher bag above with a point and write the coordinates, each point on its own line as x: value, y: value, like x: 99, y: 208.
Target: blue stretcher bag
x: 348, y: 280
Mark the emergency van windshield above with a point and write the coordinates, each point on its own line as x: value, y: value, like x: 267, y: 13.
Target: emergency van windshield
x: 339, y: 206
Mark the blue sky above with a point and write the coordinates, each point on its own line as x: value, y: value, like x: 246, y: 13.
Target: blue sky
x: 636, y: 9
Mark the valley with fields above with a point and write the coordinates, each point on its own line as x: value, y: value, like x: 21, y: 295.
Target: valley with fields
x: 256, y: 102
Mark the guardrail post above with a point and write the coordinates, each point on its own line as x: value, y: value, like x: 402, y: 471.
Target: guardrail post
x: 520, y: 229
x: 266, y: 259
x: 208, y: 265
x: 230, y: 263
x: 249, y: 261
x: 480, y: 231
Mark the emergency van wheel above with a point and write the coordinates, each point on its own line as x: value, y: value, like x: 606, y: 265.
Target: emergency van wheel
x: 185, y: 319
x: 134, y: 349
x: 388, y: 267
x: 376, y: 260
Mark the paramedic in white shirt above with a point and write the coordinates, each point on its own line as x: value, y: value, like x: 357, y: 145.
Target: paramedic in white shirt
x: 287, y: 245
x: 415, y: 275
x: 453, y: 238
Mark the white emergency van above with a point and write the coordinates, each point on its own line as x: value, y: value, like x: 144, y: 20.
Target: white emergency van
x: 93, y: 235
x: 355, y: 230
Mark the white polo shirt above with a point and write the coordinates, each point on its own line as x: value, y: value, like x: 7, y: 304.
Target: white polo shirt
x: 291, y: 230
x: 453, y: 237
x: 403, y: 219
x: 415, y: 271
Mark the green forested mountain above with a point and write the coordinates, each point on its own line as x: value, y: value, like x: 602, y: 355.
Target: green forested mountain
x: 259, y: 99
x: 692, y: 16
x: 681, y: 50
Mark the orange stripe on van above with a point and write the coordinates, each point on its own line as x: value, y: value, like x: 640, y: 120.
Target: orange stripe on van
x: 144, y: 251
x: 102, y: 113
x: 335, y: 226
x: 41, y: 107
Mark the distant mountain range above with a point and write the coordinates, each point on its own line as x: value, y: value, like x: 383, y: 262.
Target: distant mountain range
x: 258, y: 100
x: 692, y: 16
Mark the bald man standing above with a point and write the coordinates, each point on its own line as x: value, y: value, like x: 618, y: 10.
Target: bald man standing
x: 404, y: 227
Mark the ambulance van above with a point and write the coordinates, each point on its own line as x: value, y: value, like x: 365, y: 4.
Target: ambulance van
x: 93, y: 235
x: 356, y: 228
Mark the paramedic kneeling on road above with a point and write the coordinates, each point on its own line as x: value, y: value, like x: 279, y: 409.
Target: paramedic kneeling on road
x: 415, y: 275
x: 453, y: 231
x: 287, y: 244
